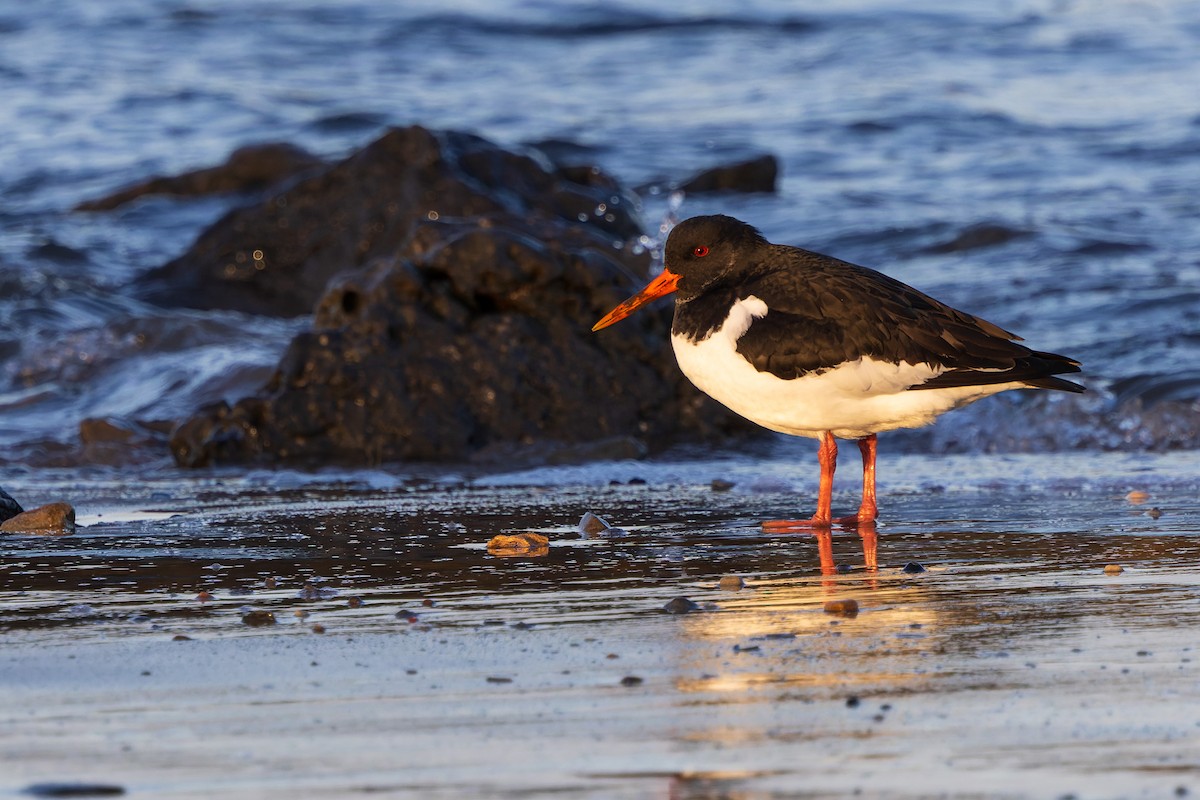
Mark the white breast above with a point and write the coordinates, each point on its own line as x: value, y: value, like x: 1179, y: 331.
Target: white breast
x: 852, y: 399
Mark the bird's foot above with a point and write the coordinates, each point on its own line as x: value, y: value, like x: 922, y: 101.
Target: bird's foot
x: 786, y: 525
x: 815, y: 523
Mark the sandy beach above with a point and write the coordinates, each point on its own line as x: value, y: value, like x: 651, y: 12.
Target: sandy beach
x: 1013, y: 666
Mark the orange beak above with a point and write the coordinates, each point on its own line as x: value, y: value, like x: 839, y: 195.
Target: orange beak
x: 664, y: 284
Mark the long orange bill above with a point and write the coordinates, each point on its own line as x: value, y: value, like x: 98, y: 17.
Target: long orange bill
x: 664, y: 284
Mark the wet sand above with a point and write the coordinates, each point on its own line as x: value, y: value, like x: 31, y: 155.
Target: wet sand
x: 1013, y: 666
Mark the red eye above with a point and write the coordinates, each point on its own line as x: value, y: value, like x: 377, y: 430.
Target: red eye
x: 700, y: 252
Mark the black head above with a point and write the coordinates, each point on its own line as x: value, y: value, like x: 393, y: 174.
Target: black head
x: 705, y: 250
x: 701, y: 252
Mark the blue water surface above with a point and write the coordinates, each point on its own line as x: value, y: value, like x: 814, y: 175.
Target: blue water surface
x: 1072, y: 128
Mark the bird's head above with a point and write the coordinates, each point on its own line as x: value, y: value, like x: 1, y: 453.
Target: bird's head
x: 700, y: 252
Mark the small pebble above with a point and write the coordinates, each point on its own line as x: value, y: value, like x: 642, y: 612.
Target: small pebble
x: 406, y: 615
x: 612, y: 655
x: 591, y: 525
x: 680, y: 605
x: 1154, y: 513
x: 912, y: 568
x: 520, y: 544
x: 179, y: 637
x: 1113, y: 569
x: 427, y: 602
x: 732, y: 583
x: 354, y: 602
x: 631, y: 680
x: 842, y: 608
x: 204, y: 596
x: 637, y: 481
x: 842, y: 569
x: 852, y: 702
x: 498, y: 679
x: 750, y: 648
x: 1137, y: 497
x: 270, y: 583
x: 258, y: 618
x: 317, y: 628
x: 719, y: 485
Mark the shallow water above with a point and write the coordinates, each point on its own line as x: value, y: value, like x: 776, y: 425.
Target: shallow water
x: 1070, y: 126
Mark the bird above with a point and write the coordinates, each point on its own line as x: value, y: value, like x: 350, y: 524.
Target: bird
x: 809, y: 345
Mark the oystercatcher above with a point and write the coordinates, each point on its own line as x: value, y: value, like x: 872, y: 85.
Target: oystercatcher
x: 809, y: 345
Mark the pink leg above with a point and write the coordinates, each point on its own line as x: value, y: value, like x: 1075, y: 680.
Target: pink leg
x: 827, y: 456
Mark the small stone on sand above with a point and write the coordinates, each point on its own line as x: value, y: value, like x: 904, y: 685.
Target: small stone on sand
x: 520, y: 544
x: 842, y: 608
x: 631, y: 680
x: 498, y: 679
x: 54, y: 519
x: 257, y: 619
x: 1154, y: 513
x: 1137, y: 497
x: 719, y: 485
x: 354, y: 602
x: 912, y: 568
x: 1113, y: 569
x: 317, y: 628
x: 732, y: 583
x: 680, y: 605
x: 592, y: 525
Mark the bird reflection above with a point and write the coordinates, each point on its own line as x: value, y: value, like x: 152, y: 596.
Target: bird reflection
x: 866, y: 531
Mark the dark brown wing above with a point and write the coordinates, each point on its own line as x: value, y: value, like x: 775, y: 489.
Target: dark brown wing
x: 823, y: 312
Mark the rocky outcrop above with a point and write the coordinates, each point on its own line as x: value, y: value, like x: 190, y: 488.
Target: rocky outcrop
x: 250, y: 168
x: 9, y: 507
x: 757, y: 174
x: 455, y: 286
x: 276, y: 257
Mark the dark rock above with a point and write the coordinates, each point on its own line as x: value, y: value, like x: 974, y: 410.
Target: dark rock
x: 756, y: 175
x: 249, y: 168
x: 73, y: 790
x: 257, y: 619
x: 276, y: 257
x: 54, y: 519
x: 978, y: 236
x: 498, y: 679
x: 680, y: 605
x: 720, y: 485
x: 632, y: 680
x: 9, y: 507
x: 116, y: 442
x: 852, y: 702
x: 912, y: 568
x: 459, y: 286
